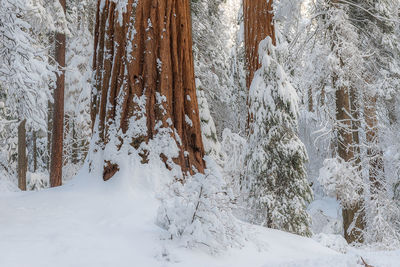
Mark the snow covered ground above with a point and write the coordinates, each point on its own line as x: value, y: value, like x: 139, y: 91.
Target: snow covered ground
x: 89, y: 222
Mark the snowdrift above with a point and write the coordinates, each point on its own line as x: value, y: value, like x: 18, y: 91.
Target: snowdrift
x: 89, y: 222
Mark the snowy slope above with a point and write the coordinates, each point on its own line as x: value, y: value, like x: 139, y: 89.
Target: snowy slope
x: 92, y: 223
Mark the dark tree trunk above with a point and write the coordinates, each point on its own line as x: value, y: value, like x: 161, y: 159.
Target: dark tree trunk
x: 75, y: 147
x: 58, y: 112
x: 322, y: 96
x: 310, y: 100
x: 22, y: 159
x: 34, y: 141
x: 160, y: 62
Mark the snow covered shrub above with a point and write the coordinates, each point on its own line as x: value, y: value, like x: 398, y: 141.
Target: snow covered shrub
x: 198, y: 212
x: 7, y: 176
x: 275, y: 159
x: 212, y: 147
x: 335, y: 242
x: 233, y: 147
x: 341, y: 179
x: 37, y: 181
x: 383, y: 226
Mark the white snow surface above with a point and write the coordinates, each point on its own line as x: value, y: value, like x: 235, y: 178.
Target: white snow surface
x: 88, y: 222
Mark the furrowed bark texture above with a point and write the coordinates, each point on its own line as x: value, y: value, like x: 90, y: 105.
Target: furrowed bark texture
x: 56, y: 163
x: 22, y: 158
x: 258, y: 24
x: 147, y: 51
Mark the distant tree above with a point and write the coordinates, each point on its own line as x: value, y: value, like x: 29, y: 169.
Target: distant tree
x: 24, y: 74
x: 58, y: 109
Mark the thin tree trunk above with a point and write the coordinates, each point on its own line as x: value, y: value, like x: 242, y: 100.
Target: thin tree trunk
x: 58, y: 114
x: 310, y: 100
x: 67, y: 150
x: 22, y: 159
x: 158, y: 66
x: 34, y: 140
x: 75, y: 148
x: 49, y: 132
x: 50, y: 108
x: 322, y: 96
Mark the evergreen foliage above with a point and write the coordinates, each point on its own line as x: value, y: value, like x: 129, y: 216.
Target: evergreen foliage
x: 275, y: 158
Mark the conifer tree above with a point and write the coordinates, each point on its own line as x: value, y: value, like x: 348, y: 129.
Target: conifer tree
x: 275, y: 158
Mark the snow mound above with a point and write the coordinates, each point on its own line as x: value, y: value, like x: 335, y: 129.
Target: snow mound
x: 6, y: 184
x: 89, y: 222
x: 335, y: 242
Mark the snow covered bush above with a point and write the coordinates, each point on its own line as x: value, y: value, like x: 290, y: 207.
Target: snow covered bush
x: 7, y: 175
x: 233, y: 147
x: 341, y: 180
x: 212, y: 147
x: 78, y: 87
x: 335, y: 242
x: 275, y: 158
x: 37, y: 181
x: 24, y: 66
x: 198, y: 212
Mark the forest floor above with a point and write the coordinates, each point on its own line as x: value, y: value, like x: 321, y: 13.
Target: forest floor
x: 91, y: 223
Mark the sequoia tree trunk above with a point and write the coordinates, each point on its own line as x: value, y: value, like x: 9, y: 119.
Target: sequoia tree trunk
x: 56, y: 163
x: 143, y: 66
x: 346, y: 152
x: 258, y: 24
x: 22, y: 158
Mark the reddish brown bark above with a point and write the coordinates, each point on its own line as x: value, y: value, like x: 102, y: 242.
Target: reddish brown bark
x: 159, y: 62
x: 22, y: 158
x: 258, y: 24
x: 58, y: 112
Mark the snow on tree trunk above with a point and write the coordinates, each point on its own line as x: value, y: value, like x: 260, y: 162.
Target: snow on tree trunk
x: 212, y: 146
x: 22, y: 158
x: 351, y: 213
x: 56, y: 163
x: 355, y: 125
x: 144, y: 83
x: 375, y: 154
x: 258, y: 24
